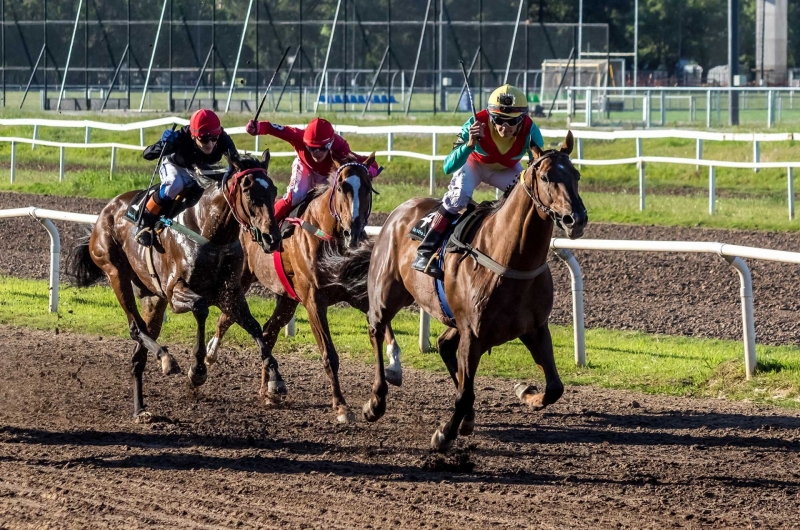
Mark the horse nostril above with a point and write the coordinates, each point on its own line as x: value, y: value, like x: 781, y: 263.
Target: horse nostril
x: 567, y: 220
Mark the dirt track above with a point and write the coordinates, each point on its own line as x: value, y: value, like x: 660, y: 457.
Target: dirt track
x: 70, y: 457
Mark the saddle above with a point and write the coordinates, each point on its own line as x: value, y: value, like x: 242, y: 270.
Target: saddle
x: 189, y: 197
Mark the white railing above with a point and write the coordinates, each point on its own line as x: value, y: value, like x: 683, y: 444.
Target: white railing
x: 733, y: 254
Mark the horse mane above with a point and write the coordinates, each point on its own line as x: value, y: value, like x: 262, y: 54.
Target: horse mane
x: 492, y: 207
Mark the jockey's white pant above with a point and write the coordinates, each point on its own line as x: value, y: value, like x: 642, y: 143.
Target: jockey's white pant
x: 174, y: 179
x: 469, y: 176
x: 303, y: 180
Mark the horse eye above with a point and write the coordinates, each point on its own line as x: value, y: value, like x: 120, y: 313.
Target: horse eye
x: 544, y: 178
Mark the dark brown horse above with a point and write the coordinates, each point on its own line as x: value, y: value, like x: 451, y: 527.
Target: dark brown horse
x: 187, y: 274
x: 489, y: 308
x: 335, y: 217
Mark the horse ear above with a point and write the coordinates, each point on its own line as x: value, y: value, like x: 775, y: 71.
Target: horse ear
x: 265, y: 156
x: 569, y: 143
x: 336, y: 163
x: 370, y: 159
x: 536, y: 150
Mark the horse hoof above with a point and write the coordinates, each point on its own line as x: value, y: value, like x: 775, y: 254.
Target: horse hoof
x: 439, y: 443
x: 394, y: 375
x: 143, y: 417
x: 345, y: 415
x: 277, y: 387
x: 371, y: 414
x: 169, y: 366
x: 211, y: 350
x: 529, y: 395
x: 466, y: 428
x: 197, y: 378
x: 271, y: 399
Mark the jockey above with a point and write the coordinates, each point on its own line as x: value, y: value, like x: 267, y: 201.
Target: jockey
x: 201, y: 143
x: 317, y: 146
x: 477, y: 157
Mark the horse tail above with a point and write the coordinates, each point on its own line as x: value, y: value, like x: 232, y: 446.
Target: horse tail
x: 80, y: 268
x: 348, y: 270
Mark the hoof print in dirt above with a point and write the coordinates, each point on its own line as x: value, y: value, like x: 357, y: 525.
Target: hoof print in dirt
x: 457, y: 461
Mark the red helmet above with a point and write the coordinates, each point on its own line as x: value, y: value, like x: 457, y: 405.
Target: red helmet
x: 204, y: 122
x: 319, y: 133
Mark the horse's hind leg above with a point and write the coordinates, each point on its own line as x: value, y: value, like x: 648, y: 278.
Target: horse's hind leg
x: 184, y: 299
x: 394, y: 372
x: 284, y: 310
x: 224, y: 322
x: 153, y: 315
x: 448, y: 350
x: 540, y: 345
x: 238, y: 309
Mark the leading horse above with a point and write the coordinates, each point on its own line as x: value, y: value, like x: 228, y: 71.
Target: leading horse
x: 333, y: 220
x: 186, y: 273
x: 499, y: 287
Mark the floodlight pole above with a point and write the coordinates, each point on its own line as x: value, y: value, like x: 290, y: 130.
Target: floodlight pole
x: 327, y: 56
x: 69, y: 54
x: 733, y: 59
x: 152, y: 55
x: 580, y: 27
x: 636, y: 43
x: 514, y: 41
x: 238, y: 56
x: 416, y: 62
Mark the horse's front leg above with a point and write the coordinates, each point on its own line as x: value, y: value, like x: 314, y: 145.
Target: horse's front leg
x: 448, y: 350
x: 183, y: 300
x: 469, y: 355
x: 239, y: 311
x: 540, y: 345
x: 317, y: 309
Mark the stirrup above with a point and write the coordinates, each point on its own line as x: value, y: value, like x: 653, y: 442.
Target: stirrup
x: 145, y: 237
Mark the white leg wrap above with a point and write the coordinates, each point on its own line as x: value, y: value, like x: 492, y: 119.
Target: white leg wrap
x: 394, y: 371
x: 212, y: 349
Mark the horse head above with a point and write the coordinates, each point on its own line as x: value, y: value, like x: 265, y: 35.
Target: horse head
x: 552, y: 183
x: 351, y: 199
x: 251, y: 195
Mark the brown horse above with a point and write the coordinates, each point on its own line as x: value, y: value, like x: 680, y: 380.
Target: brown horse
x: 335, y: 217
x: 490, y: 307
x: 186, y: 274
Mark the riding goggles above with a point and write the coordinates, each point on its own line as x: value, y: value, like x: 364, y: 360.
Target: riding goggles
x: 207, y: 139
x: 511, y: 122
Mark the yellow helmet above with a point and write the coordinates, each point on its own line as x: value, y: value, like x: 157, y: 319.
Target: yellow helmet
x: 508, y: 101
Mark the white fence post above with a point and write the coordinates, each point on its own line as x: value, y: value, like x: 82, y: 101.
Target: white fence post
x: 588, y: 107
x: 638, y: 147
x: 432, y: 181
x: 13, y: 161
x: 61, y: 164
x: 756, y: 154
x: 578, y: 331
x: 87, y: 135
x: 257, y: 144
x: 580, y: 151
x: 770, y: 109
x: 708, y: 109
x: 389, y: 145
x: 698, y: 152
x: 35, y: 136
x: 712, y: 188
x: 647, y: 109
x: 113, y: 163
x: 141, y: 137
x: 663, y: 109
x: 424, y: 331
x: 749, y: 328
x: 291, y: 328
x: 790, y: 186
x: 641, y: 185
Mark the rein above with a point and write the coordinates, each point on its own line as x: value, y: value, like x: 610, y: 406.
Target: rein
x: 230, y: 190
x: 533, y: 191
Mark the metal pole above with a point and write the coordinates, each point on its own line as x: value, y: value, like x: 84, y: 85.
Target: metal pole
x: 13, y: 161
x: 288, y: 75
x: 44, y: 67
x: 641, y: 186
x: 327, y: 56
x: 344, y: 56
x: 33, y: 73
x: 790, y: 186
x: 3, y: 29
x: 442, y: 91
x: 416, y: 62
x: 375, y: 80
x: 69, y: 54
x: 238, y: 56
x: 636, y: 43
x: 749, y: 328
x: 86, y: 54
x: 200, y: 77
x: 469, y: 73
x: 514, y: 41
x: 61, y: 164
x: 432, y: 176
x: 580, y: 27
x: 128, y: 63
x: 152, y: 55
x: 712, y: 189
x: 733, y: 60
x: 213, y: 56
x: 479, y: 103
x: 169, y: 94
x: 114, y: 79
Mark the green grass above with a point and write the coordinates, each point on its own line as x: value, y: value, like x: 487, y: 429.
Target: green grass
x: 616, y: 359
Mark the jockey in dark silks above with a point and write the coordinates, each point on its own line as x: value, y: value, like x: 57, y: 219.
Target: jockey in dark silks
x: 489, y: 149
x: 201, y: 143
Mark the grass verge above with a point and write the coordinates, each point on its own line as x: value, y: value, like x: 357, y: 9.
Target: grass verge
x: 677, y: 366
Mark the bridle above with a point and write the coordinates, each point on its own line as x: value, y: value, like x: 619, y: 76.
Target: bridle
x: 231, y: 190
x: 331, y: 201
x: 533, y: 190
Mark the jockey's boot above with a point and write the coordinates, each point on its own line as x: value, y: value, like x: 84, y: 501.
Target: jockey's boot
x: 427, y: 253
x: 150, y: 216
